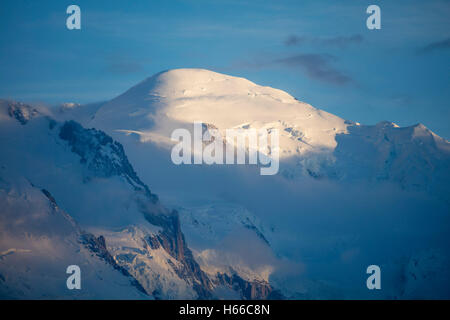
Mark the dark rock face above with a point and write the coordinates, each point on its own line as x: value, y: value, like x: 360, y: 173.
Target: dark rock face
x: 105, y: 157
x: 254, y: 290
x: 21, y: 112
x: 97, y: 245
x: 50, y: 197
x: 171, y: 239
x: 102, y: 155
x: 253, y: 228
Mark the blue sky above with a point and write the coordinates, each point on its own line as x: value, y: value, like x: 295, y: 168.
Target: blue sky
x: 319, y: 51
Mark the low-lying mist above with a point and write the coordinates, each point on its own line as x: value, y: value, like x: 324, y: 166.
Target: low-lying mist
x: 333, y: 230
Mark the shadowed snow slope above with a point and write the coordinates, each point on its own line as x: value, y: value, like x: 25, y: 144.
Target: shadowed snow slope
x: 117, y: 228
x: 341, y: 184
x: 346, y: 196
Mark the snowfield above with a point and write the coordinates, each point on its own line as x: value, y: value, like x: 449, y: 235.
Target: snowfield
x: 94, y: 185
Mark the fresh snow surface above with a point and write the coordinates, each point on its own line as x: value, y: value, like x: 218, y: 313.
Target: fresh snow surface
x: 35, y: 157
x: 347, y: 195
x: 312, y: 142
x: 331, y: 167
x: 177, y: 98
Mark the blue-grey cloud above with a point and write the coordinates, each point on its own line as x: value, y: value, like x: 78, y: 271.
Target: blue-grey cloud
x: 339, y: 41
x: 316, y: 66
x: 435, y: 46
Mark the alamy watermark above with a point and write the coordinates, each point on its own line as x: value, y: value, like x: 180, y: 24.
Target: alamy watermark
x: 373, y: 22
x: 374, y: 280
x: 74, y: 280
x: 74, y: 20
x: 208, y: 146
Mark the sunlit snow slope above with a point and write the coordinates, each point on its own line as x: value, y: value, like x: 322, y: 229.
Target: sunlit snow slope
x: 180, y: 97
x: 312, y: 142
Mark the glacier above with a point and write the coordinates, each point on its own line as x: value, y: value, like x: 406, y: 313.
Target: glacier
x: 347, y: 196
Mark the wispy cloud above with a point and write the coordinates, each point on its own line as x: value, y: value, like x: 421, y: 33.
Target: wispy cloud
x: 435, y: 46
x: 316, y: 66
x: 340, y: 41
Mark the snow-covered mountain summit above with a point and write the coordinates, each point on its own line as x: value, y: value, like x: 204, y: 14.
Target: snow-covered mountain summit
x: 179, y: 97
x: 312, y: 142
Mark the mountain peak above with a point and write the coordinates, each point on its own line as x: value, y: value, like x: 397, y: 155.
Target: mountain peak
x: 177, y: 98
x: 177, y: 83
x: 195, y: 74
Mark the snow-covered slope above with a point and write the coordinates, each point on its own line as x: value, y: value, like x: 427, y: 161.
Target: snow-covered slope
x: 413, y: 157
x: 118, y: 219
x: 329, y: 164
x: 90, y: 176
x: 38, y: 241
x: 175, y: 98
x: 312, y: 142
x: 347, y: 195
